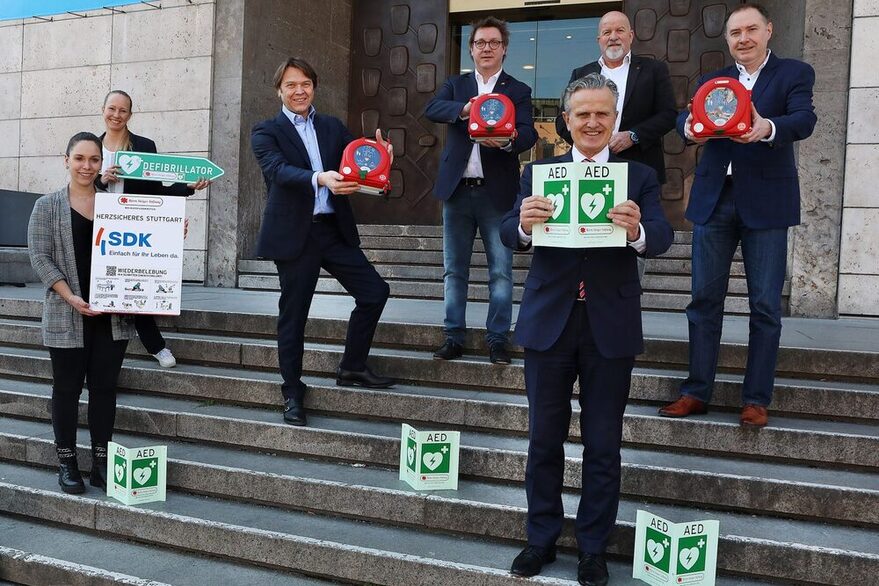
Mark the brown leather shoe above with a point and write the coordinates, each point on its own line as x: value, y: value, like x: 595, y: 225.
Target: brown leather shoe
x: 685, y: 405
x: 754, y: 416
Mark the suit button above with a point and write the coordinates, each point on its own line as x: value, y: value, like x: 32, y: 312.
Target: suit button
x: 585, y: 257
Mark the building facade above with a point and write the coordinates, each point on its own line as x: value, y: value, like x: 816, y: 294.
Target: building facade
x: 200, y: 71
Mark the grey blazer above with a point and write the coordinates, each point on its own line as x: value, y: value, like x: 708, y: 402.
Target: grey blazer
x: 50, y: 243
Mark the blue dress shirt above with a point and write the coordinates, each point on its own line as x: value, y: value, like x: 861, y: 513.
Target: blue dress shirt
x: 304, y: 125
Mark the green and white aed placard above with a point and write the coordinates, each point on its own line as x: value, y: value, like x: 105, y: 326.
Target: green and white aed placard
x: 136, y: 475
x: 675, y: 553
x: 165, y: 168
x: 429, y: 459
x: 582, y: 194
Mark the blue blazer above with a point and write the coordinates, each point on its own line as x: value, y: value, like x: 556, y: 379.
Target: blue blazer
x: 501, y: 168
x: 764, y: 181
x: 287, y: 171
x: 613, y: 290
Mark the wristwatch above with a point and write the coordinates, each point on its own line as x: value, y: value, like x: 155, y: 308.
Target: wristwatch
x: 634, y: 136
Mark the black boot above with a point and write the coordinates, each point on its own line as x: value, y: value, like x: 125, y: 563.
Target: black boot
x: 69, y: 477
x: 98, y: 475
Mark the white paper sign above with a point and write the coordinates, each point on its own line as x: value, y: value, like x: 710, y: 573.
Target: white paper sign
x: 137, y: 254
x: 582, y: 194
x: 429, y: 459
x: 675, y: 553
x: 136, y: 475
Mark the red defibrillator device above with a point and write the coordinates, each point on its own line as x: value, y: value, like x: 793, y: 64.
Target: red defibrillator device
x: 492, y: 117
x: 368, y: 163
x: 721, y: 108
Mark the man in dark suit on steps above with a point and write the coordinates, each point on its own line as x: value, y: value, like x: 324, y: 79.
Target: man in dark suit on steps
x: 308, y: 225
x: 581, y: 317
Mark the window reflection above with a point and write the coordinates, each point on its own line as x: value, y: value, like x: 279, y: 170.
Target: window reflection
x: 542, y: 55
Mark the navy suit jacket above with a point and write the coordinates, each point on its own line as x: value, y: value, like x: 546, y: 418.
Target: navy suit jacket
x: 501, y: 168
x: 613, y: 290
x: 648, y: 109
x: 765, y: 183
x: 285, y: 165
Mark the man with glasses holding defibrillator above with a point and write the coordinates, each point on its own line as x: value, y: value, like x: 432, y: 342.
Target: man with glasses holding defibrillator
x: 478, y: 183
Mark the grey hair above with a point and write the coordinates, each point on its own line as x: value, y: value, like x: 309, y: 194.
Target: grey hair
x: 593, y: 81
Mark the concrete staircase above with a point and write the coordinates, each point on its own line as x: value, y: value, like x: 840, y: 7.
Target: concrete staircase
x: 254, y: 501
x: 410, y: 258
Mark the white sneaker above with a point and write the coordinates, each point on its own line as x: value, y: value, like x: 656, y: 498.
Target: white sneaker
x: 165, y: 358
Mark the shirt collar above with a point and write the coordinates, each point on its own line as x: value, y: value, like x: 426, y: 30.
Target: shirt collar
x: 490, y: 80
x: 626, y: 60
x: 744, y: 71
x: 297, y: 119
x: 601, y: 157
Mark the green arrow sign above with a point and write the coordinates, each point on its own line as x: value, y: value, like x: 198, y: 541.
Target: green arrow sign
x: 167, y: 168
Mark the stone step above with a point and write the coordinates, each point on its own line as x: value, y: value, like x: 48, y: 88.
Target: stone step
x: 732, y: 482
x: 787, y: 439
x: 436, y: 244
x: 848, y: 551
x: 668, y: 350
x: 477, y: 292
x: 680, y: 236
x: 650, y: 282
x: 796, y: 397
x: 58, y: 555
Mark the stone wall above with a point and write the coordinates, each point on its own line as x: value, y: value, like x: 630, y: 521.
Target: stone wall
x: 54, y: 76
x: 859, y: 260
x: 253, y: 38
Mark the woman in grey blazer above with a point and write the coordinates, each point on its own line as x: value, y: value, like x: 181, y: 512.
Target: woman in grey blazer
x: 82, y: 343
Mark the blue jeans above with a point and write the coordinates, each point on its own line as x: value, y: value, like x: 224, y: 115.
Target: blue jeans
x: 470, y: 208
x: 765, y: 255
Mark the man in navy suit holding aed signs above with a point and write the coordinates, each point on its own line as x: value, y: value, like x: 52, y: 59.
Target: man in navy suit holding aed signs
x: 580, y: 317
x: 746, y: 190
x: 308, y: 225
x: 477, y: 184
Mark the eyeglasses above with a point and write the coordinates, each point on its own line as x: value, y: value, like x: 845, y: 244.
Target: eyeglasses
x: 481, y: 43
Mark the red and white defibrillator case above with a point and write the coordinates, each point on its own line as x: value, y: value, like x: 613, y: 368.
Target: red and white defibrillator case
x: 368, y: 163
x: 721, y: 108
x: 492, y: 117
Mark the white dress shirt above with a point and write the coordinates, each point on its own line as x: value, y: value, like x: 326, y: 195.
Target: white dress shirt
x: 602, y: 157
x: 474, y: 163
x: 619, y: 75
x: 749, y: 80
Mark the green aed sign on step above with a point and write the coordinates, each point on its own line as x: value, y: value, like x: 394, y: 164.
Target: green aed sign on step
x: 165, y: 168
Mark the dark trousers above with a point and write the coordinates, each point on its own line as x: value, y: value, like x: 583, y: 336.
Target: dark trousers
x: 604, y: 390
x: 326, y: 249
x: 764, y: 253
x: 149, y: 333
x: 98, y: 362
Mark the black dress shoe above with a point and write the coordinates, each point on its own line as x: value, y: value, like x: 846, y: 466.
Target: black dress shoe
x: 98, y: 475
x: 69, y: 477
x: 499, y: 354
x: 592, y: 570
x: 294, y: 412
x: 449, y: 351
x: 531, y: 560
x: 363, y: 378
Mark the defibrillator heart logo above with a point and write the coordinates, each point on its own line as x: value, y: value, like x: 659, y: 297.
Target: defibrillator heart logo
x: 432, y: 460
x: 129, y: 163
x: 558, y: 204
x: 142, y: 475
x: 592, y: 204
x: 411, y: 452
x: 120, y: 472
x: 655, y: 550
x: 689, y: 557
